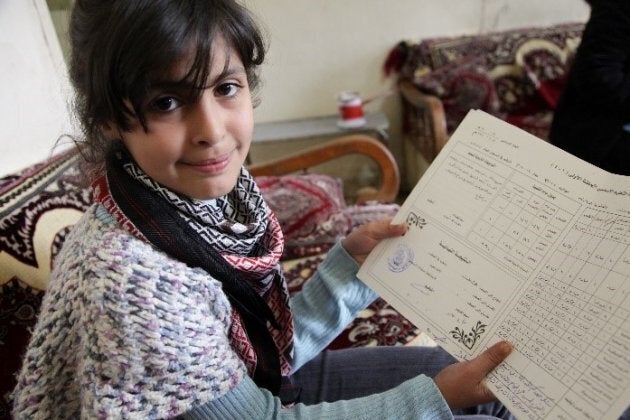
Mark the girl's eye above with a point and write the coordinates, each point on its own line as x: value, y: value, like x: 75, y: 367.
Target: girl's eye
x: 166, y: 103
x: 227, y: 89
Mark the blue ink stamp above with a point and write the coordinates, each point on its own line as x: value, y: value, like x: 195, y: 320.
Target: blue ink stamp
x: 401, y: 259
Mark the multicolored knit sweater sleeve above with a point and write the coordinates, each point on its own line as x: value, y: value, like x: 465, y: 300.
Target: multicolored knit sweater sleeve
x: 125, y: 331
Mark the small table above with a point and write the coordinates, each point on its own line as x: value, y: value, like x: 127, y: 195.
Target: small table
x: 282, y: 137
x: 276, y: 139
x: 376, y: 124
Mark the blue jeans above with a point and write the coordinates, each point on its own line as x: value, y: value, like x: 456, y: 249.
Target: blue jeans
x: 357, y: 372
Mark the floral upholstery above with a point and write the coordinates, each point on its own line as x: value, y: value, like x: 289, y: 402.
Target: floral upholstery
x: 310, y: 209
x: 461, y: 85
x: 515, y: 74
x: 37, y: 207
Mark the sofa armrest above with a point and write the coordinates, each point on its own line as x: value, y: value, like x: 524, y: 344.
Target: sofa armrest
x: 361, y: 144
x: 424, y: 120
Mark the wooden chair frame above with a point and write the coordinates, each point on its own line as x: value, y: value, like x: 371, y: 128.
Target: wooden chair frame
x: 361, y: 144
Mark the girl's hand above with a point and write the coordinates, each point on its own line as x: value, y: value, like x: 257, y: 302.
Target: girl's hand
x: 463, y: 384
x: 363, y: 239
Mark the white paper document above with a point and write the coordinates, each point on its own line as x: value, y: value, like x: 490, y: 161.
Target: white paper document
x: 512, y: 238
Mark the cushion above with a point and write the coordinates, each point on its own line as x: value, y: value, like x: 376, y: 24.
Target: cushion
x: 461, y: 85
x: 499, y: 48
x: 37, y: 207
x: 360, y: 214
x: 546, y: 66
x: 527, y: 67
x: 310, y: 209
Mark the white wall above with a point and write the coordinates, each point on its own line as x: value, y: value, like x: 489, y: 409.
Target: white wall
x: 33, y: 85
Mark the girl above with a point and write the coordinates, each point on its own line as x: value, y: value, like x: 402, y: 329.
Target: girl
x: 167, y: 298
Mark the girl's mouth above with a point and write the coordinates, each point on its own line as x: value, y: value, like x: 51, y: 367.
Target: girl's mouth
x: 210, y: 166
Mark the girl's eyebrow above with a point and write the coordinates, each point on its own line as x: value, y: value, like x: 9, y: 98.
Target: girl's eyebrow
x: 173, y: 84
x: 228, y: 72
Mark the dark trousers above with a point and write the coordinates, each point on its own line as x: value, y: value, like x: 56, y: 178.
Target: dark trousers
x: 357, y: 372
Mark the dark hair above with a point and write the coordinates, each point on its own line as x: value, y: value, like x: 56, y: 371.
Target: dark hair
x: 120, y: 47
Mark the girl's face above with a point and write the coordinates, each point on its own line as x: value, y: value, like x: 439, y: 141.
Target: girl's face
x: 197, y: 148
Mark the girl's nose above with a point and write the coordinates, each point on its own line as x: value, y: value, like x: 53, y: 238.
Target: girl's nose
x: 206, y: 121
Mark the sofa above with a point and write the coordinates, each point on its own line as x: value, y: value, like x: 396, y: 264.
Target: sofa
x: 39, y: 205
x: 515, y: 74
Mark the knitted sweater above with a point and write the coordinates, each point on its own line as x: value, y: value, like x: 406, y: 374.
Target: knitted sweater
x: 127, y: 332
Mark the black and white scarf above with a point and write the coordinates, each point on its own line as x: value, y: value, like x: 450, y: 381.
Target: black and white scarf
x: 235, y: 238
